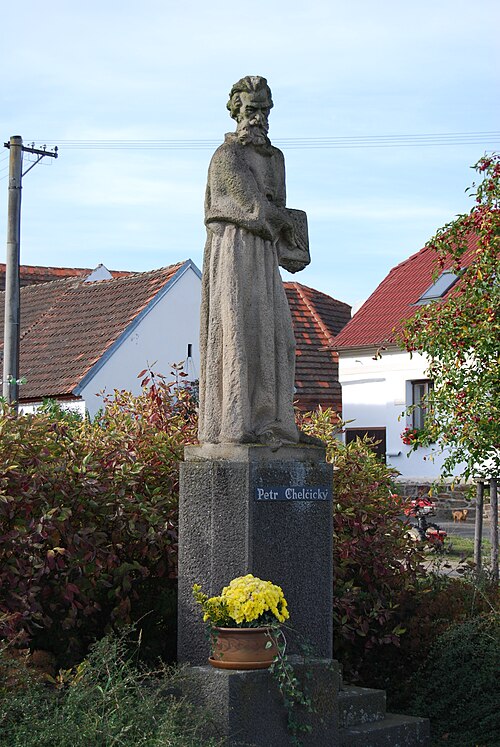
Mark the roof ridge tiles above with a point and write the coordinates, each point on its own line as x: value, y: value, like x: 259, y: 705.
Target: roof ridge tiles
x: 79, y: 273
x: 70, y: 280
x: 44, y: 268
x: 313, y: 290
x: 156, y: 271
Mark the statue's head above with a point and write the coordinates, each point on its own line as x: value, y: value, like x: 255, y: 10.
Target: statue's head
x: 250, y: 102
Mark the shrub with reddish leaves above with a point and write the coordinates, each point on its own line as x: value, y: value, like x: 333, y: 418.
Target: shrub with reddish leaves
x: 88, y: 526
x: 88, y: 513
x: 376, y: 565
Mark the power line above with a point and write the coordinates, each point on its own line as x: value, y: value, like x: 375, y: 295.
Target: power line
x: 357, y: 141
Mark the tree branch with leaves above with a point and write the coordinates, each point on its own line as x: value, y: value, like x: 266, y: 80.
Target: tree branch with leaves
x: 460, y: 334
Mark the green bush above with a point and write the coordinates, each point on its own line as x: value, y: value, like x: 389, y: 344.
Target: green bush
x: 376, y: 565
x: 458, y: 687
x: 106, y: 700
x: 437, y: 604
x: 88, y: 529
x: 388, y: 608
x: 88, y: 517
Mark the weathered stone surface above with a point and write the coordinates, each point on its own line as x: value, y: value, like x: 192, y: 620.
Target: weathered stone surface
x: 225, y: 532
x: 247, y: 345
x: 253, y: 453
x: 393, y: 731
x: 360, y: 705
x: 247, y: 708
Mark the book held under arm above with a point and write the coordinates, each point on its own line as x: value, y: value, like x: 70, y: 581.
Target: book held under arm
x: 293, y: 251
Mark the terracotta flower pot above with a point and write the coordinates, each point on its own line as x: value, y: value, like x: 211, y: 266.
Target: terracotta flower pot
x: 242, y: 648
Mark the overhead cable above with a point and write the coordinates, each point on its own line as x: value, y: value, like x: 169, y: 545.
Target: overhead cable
x: 484, y: 139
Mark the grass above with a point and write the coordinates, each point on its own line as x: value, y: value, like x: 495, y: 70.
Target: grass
x: 108, y: 701
x: 460, y: 548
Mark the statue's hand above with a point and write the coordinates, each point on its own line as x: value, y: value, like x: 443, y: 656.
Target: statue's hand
x: 293, y: 237
x: 299, y: 242
x: 289, y: 234
x: 288, y: 231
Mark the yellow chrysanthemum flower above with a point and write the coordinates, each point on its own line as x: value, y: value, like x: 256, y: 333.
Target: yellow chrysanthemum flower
x: 245, y: 600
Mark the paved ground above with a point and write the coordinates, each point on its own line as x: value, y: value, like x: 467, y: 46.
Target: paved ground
x: 464, y: 528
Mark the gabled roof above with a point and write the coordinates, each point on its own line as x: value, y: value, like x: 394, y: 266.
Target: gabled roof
x: 68, y: 325
x: 395, y: 300
x: 31, y: 274
x: 317, y: 318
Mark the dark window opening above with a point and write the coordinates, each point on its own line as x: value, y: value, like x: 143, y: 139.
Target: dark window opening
x: 419, y: 393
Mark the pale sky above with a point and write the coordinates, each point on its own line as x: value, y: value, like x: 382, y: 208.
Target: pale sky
x: 351, y: 74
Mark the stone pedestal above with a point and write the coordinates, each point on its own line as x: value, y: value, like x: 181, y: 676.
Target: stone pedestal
x: 246, y: 509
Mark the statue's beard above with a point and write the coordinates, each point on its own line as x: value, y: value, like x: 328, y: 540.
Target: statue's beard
x: 252, y: 134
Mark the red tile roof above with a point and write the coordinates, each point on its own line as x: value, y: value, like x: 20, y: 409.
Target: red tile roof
x: 317, y: 318
x: 394, y: 300
x: 31, y: 274
x: 67, y: 325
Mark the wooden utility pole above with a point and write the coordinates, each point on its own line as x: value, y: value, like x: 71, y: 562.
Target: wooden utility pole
x: 494, y: 528
x: 478, y: 533
x: 12, y: 306
x: 10, y: 378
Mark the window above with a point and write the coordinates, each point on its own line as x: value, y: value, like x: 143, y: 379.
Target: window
x: 376, y: 434
x: 419, y: 392
x: 445, y: 281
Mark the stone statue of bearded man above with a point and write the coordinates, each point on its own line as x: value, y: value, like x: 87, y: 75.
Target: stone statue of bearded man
x: 247, y: 344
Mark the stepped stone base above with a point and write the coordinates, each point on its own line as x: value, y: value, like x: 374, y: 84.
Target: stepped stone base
x: 360, y: 705
x: 393, y: 731
x: 247, y: 709
x: 246, y: 509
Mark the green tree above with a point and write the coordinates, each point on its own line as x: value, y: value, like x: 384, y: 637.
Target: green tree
x: 460, y: 335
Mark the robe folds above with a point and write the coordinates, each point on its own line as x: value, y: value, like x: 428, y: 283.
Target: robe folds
x: 247, y: 345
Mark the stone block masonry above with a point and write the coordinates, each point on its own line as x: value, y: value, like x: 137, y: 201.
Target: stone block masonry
x: 247, y: 709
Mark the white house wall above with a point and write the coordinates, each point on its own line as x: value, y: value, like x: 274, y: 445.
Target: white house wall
x: 77, y: 406
x: 375, y: 394
x: 160, y: 339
